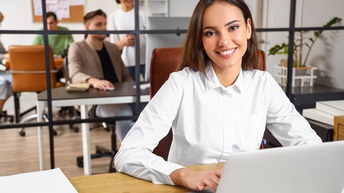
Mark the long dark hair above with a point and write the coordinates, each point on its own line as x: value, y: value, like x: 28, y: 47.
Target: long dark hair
x: 194, y: 55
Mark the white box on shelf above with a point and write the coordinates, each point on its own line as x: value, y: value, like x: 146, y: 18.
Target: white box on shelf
x: 302, y: 76
x: 335, y: 107
x: 318, y: 115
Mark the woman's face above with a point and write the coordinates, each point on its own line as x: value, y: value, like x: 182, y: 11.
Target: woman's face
x: 128, y: 3
x: 225, y: 35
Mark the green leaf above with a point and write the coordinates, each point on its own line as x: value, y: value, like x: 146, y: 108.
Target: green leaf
x: 317, y: 33
x: 301, y: 40
x: 333, y: 21
x: 279, y: 49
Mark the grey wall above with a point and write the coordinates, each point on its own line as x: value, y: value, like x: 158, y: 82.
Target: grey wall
x: 182, y: 8
x: 327, y: 53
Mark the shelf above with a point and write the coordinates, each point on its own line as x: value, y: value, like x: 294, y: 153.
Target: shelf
x: 159, y: 8
x: 306, y: 97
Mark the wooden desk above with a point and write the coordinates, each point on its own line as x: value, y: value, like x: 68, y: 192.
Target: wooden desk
x: 119, y: 182
x: 338, y: 128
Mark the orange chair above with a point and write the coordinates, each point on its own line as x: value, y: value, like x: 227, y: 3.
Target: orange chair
x: 28, y: 68
x: 165, y: 61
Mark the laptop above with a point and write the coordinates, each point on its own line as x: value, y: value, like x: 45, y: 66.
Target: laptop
x: 315, y: 168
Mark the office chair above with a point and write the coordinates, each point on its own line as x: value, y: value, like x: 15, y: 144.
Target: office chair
x: 6, y: 117
x: 29, y: 75
x: 71, y: 110
x: 164, y: 62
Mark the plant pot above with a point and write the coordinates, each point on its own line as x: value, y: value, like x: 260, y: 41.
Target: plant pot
x: 284, y: 62
x: 301, y: 76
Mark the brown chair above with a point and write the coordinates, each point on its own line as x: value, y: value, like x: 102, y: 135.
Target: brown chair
x: 165, y: 61
x: 28, y: 68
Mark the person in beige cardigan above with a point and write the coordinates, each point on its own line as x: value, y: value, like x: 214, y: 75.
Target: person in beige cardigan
x: 98, y: 63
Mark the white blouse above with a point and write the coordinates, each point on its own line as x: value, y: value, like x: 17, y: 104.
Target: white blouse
x: 209, y: 122
x: 121, y: 20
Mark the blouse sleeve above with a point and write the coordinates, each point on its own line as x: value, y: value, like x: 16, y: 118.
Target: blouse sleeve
x: 284, y: 122
x: 135, y: 155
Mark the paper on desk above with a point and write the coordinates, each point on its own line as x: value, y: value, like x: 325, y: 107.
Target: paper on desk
x: 77, y: 87
x: 52, y: 181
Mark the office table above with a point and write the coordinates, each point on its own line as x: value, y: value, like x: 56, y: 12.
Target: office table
x: 124, y: 93
x: 119, y: 182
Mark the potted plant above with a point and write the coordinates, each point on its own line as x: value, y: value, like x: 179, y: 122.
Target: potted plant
x: 303, y: 42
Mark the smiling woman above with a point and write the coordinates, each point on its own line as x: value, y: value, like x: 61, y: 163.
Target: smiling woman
x: 217, y: 103
x: 225, y: 40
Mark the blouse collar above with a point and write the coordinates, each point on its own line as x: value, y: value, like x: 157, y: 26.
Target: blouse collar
x: 212, y: 82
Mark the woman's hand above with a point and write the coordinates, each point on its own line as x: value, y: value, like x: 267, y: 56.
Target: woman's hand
x: 100, y: 84
x: 130, y: 40
x: 196, y: 180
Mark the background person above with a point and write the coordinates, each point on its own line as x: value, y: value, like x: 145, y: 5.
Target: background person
x: 98, y: 63
x: 217, y: 104
x: 58, y: 42
x: 124, y: 19
x: 5, y: 77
